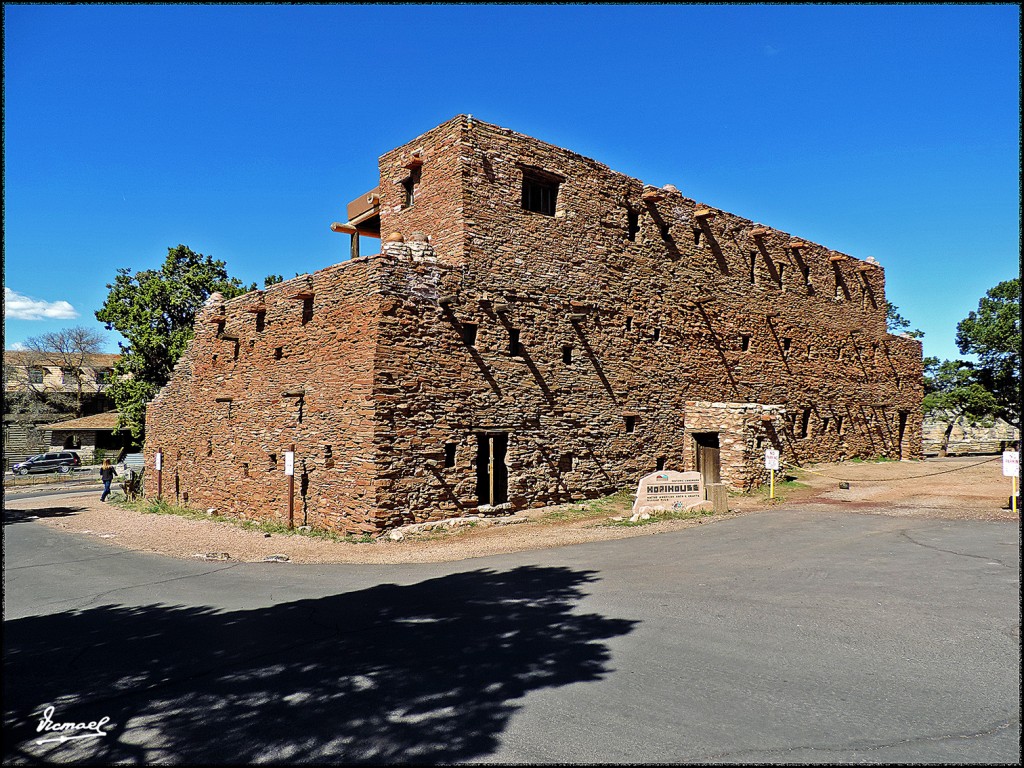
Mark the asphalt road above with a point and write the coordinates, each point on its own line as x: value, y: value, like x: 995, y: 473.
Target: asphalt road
x: 781, y: 637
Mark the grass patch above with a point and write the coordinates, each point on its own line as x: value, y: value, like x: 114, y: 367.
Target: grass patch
x: 871, y: 460
x: 685, y: 514
x: 162, y: 507
x: 618, y: 503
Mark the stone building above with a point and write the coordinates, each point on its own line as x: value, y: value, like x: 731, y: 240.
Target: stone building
x: 536, y: 329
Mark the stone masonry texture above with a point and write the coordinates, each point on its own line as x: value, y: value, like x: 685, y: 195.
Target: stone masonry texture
x: 589, y: 342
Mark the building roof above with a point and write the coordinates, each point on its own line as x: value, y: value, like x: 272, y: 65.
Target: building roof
x: 101, y: 421
x: 27, y: 357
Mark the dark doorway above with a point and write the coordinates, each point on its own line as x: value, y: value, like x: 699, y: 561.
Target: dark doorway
x: 708, y: 461
x: 903, y: 431
x: 491, y: 472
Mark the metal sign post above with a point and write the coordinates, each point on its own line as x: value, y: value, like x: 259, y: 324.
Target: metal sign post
x: 771, y: 463
x: 289, y: 469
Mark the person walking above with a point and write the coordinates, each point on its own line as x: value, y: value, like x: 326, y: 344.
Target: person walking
x: 106, y: 475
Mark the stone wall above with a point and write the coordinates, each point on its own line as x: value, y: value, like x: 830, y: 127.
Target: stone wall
x: 594, y: 341
x: 967, y: 439
x: 251, y: 385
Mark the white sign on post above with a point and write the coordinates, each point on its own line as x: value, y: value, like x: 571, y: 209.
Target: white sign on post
x: 771, y: 459
x: 1011, y: 464
x: 289, y: 462
x: 159, y: 461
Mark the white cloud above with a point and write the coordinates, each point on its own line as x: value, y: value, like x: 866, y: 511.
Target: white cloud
x: 25, y: 308
x: 18, y: 346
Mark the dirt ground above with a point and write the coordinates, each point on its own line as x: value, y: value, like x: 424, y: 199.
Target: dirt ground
x: 950, y: 488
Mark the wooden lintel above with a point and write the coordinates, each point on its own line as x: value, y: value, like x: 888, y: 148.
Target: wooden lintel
x: 865, y: 268
x: 500, y: 306
x: 766, y: 417
x: 414, y: 162
x: 794, y: 244
x: 703, y: 213
x: 445, y: 300
x: 301, y: 295
x: 759, y: 232
x: 224, y: 399
x: 836, y: 257
x: 576, y: 316
x: 294, y: 393
x: 256, y: 309
x: 652, y: 196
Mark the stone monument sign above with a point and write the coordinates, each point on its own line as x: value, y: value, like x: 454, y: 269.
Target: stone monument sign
x: 668, y: 490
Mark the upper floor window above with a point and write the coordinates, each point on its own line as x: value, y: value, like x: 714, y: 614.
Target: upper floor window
x: 409, y: 184
x: 540, y: 192
x: 35, y: 375
x: 103, y: 376
x: 69, y: 375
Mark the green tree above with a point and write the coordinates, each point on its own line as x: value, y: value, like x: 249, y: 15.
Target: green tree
x: 270, y: 280
x: 155, y: 310
x: 993, y: 334
x: 953, y: 394
x: 896, y: 323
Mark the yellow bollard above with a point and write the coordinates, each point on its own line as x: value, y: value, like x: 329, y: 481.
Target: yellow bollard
x: 772, y: 496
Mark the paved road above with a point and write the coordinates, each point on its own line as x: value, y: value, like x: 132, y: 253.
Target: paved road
x: 778, y: 637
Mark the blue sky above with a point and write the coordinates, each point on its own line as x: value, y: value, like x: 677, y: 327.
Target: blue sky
x: 242, y: 131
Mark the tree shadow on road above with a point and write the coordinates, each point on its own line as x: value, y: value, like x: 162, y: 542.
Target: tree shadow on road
x: 425, y: 673
x: 28, y: 515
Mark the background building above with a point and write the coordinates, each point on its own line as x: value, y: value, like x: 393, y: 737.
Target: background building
x: 537, y: 328
x: 40, y: 389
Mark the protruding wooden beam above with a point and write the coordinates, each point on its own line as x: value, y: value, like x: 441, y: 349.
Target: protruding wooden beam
x: 836, y: 257
x: 703, y: 213
x: 652, y: 196
x: 759, y: 231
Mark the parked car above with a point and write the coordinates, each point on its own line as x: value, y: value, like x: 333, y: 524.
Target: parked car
x: 62, y: 461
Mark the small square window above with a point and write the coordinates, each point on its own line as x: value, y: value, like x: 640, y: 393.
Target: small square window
x: 449, y: 454
x: 660, y: 464
x: 786, y: 344
x: 469, y: 334
x: 540, y: 193
x: 565, y: 462
x: 35, y: 375
x: 744, y: 342
x: 630, y: 424
x: 278, y: 351
x: 567, y: 355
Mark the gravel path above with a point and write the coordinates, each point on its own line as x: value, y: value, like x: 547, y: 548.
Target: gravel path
x: 960, y: 488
